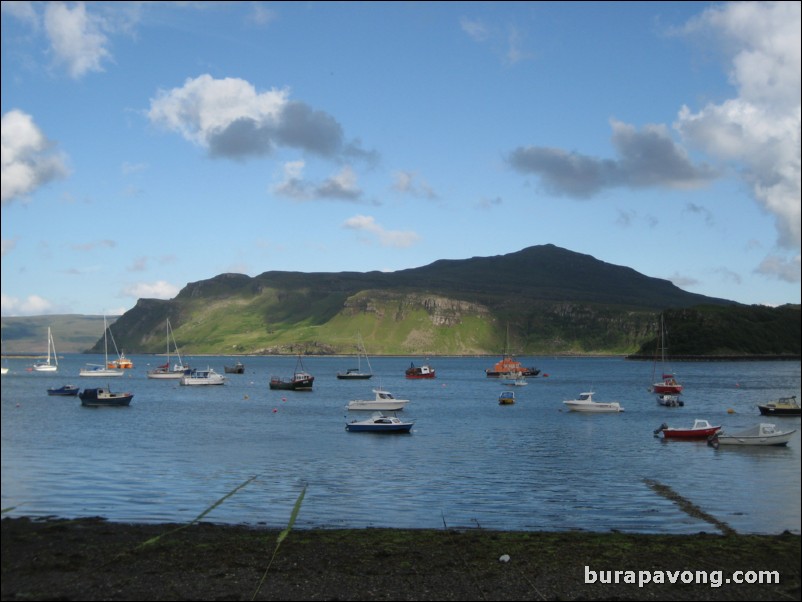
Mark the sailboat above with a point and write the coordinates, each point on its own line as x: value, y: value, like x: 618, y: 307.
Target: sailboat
x: 669, y: 384
x: 102, y: 370
x: 165, y: 371
x: 356, y: 373
x: 46, y: 366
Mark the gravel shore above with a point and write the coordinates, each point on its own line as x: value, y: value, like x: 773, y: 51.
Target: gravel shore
x: 92, y: 559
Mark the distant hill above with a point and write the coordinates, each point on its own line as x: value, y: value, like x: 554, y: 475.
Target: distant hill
x: 72, y: 333
x: 540, y: 300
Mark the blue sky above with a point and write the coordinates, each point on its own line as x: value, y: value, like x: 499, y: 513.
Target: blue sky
x: 148, y: 145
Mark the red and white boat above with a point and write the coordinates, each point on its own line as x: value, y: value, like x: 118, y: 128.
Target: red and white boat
x: 701, y: 429
x: 422, y: 371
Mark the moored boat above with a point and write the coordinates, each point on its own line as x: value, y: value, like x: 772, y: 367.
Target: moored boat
x: 383, y: 400
x: 238, y: 368
x: 784, y: 406
x: 585, y: 403
x: 64, y: 391
x: 763, y: 434
x: 379, y: 423
x: 701, y: 429
x: 202, y: 377
x: 422, y: 371
x: 506, y: 398
x: 300, y: 380
x: 102, y: 397
x: 670, y: 401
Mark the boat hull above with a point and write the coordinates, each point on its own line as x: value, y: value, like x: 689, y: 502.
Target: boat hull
x: 101, y: 372
x: 353, y: 375
x: 65, y: 391
x: 690, y: 433
x: 99, y: 398
x: 358, y: 405
x: 594, y: 407
x: 304, y: 384
x: 781, y: 439
x: 774, y: 411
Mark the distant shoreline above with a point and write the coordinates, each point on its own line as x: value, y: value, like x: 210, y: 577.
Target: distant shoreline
x: 633, y: 357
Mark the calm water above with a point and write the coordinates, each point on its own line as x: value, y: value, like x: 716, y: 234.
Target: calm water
x: 468, y: 462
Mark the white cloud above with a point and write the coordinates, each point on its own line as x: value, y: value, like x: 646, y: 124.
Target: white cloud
x: 9, y: 244
x: 151, y: 290
x: 28, y: 158
x: 230, y: 119
x: 76, y: 37
x: 781, y: 268
x: 387, y: 238
x: 759, y: 129
x: 33, y: 305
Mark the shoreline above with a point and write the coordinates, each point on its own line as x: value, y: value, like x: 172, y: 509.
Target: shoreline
x: 92, y: 559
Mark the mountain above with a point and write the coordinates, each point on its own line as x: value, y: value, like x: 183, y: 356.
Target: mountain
x: 551, y: 300
x: 540, y: 300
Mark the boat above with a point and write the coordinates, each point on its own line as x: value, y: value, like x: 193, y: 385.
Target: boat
x: 300, y: 380
x: 784, y: 406
x: 585, y: 403
x: 165, y: 371
x: 506, y: 398
x: 202, y: 377
x: 418, y: 372
x: 64, y: 391
x: 357, y: 373
x: 509, y: 367
x: 102, y: 370
x: 103, y: 397
x: 383, y: 400
x: 670, y: 401
x: 669, y: 384
x: 760, y: 434
x: 238, y: 368
x: 47, y: 366
x: 121, y: 363
x: 701, y: 429
x: 379, y: 423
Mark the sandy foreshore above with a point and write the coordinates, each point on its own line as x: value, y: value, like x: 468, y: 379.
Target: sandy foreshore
x: 92, y: 559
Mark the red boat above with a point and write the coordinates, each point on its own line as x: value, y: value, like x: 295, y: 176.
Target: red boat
x: 701, y: 429
x: 424, y: 371
x: 509, y: 367
x: 667, y: 386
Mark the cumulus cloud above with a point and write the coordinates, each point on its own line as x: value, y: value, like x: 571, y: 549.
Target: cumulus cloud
x: 387, y: 238
x: 231, y: 119
x: 342, y: 185
x: 151, y: 290
x: 646, y: 158
x: 28, y: 159
x: 33, y: 305
x: 759, y: 129
x: 76, y: 37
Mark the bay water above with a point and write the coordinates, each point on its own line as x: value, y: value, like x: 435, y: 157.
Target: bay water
x: 468, y: 463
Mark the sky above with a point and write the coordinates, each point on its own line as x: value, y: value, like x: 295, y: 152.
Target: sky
x: 147, y: 145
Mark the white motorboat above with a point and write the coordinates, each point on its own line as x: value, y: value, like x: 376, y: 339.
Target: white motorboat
x: 759, y: 434
x: 383, y: 401
x: 379, y: 423
x: 203, y: 377
x: 585, y: 403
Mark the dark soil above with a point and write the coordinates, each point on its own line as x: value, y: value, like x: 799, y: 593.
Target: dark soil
x: 91, y: 559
